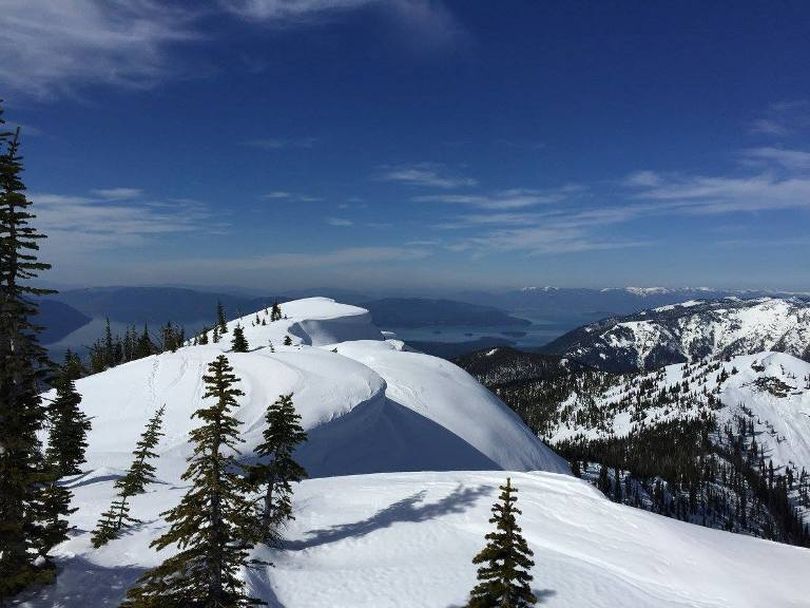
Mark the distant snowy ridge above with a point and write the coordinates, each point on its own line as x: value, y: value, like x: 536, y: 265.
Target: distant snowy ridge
x: 770, y: 391
x: 690, y: 330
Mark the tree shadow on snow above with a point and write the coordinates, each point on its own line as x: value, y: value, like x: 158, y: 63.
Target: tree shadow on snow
x: 81, y: 583
x: 541, y: 594
x: 408, y: 509
x: 259, y: 586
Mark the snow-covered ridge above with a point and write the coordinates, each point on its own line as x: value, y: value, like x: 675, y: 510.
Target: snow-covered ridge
x: 691, y: 330
x: 371, y: 406
x: 393, y: 538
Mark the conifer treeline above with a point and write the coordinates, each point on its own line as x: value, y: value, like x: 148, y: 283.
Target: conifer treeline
x: 113, y: 349
x: 33, y: 504
x: 686, y: 466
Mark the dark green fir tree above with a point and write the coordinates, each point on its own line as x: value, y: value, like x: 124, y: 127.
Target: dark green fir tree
x: 144, y: 346
x: 73, y: 366
x: 239, y: 343
x: 141, y: 473
x: 275, y: 312
x: 203, y: 336
x: 23, y: 367
x: 221, y: 321
x: 504, y: 576
x: 287, y: 340
x: 277, y: 469
x: 211, y: 524
x: 67, y: 441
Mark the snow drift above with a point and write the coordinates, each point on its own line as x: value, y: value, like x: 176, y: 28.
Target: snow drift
x: 392, y: 538
x: 370, y: 407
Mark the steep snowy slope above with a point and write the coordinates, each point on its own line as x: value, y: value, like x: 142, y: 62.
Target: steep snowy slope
x: 772, y: 390
x: 693, y: 329
x: 416, y: 413
x: 406, y: 540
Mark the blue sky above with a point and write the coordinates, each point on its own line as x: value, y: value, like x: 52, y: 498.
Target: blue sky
x: 415, y: 143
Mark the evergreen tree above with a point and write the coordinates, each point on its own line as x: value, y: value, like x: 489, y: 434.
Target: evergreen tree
x: 73, y: 367
x: 52, y: 508
x: 275, y: 312
x: 67, y: 441
x: 221, y: 321
x: 210, y: 525
x: 144, y: 346
x: 23, y: 365
x: 109, y: 347
x: 203, y: 336
x: 287, y: 341
x: 239, y: 344
x: 215, y: 334
x: 173, y: 337
x: 140, y: 474
x: 504, y: 579
x: 277, y: 469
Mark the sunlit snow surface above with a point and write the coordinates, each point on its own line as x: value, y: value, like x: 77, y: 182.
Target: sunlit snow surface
x: 394, y: 538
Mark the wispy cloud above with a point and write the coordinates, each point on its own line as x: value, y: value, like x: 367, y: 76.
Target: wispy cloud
x: 339, y: 221
x: 49, y: 48
x: 301, y: 260
x: 82, y: 224
x: 783, y: 118
x: 113, y: 194
x: 788, y: 159
x: 705, y: 194
x: 430, y: 19
x: 282, y: 195
x: 507, y: 199
x: 290, y: 10
x: 425, y: 175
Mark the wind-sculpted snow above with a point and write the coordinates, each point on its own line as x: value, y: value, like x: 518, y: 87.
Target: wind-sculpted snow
x: 405, y: 540
x: 691, y: 330
x: 311, y: 321
x: 368, y: 409
x: 441, y: 391
x: 404, y: 534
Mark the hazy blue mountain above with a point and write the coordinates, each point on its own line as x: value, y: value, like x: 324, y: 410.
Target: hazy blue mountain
x: 58, y: 320
x: 423, y: 312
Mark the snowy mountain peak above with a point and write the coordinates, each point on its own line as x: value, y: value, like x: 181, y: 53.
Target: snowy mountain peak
x: 690, y: 330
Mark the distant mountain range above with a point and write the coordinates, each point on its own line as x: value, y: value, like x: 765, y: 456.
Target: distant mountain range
x: 582, y: 305
x: 690, y: 330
